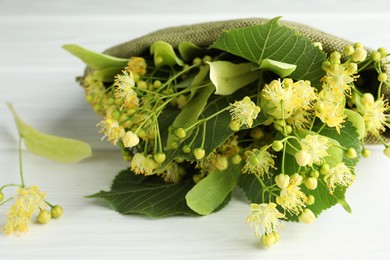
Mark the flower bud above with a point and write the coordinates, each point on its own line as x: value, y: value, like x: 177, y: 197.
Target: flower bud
x: 383, y: 52
x: 311, y: 183
x: 348, y: 50
x: 236, y: 159
x: 310, y: 200
x: 44, y: 217
x: 221, y: 163
x: 181, y: 133
x: 142, y: 85
x: 157, y: 84
x: 302, y: 158
x: 186, y: 149
x: 352, y: 67
x: 197, y: 61
x: 351, y: 153
x: 335, y: 57
x: 256, y: 133
x: 307, y: 216
x: 314, y: 173
x: 56, y: 211
x: 382, y: 77
x: 282, y: 180
x: 359, y: 54
x: 1, y: 196
x: 386, y: 152
x: 358, y: 45
x: 270, y: 239
x: 325, y: 169
x: 366, y: 153
x: 277, y: 146
x: 130, y: 139
x: 325, y: 65
x: 207, y: 59
x: 159, y: 157
x: 376, y: 56
x: 367, y: 99
x: 287, y: 82
x: 199, y: 153
x: 115, y: 114
x: 296, y: 179
x: 234, y: 125
x: 181, y: 101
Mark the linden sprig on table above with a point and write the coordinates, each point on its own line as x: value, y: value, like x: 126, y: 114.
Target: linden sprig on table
x: 277, y: 116
x: 30, y: 201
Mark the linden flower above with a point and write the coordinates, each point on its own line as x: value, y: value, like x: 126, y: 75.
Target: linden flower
x: 265, y: 217
x: 137, y: 65
x: 243, y: 112
x: 143, y: 165
x: 339, y: 175
x: 300, y: 118
x: 278, y: 95
x: 375, y: 117
x: 330, y: 109
x: 338, y: 78
x: 111, y: 129
x: 130, y: 139
x: 316, y: 147
x: 27, y: 201
x: 292, y: 199
x: 303, y: 95
x: 258, y: 162
x: 171, y: 173
x: 124, y: 90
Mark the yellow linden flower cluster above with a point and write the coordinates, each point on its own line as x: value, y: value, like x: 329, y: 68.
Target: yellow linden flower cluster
x: 27, y: 202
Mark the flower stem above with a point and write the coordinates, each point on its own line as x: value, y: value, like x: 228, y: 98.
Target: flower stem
x: 4, y: 202
x: 21, y: 162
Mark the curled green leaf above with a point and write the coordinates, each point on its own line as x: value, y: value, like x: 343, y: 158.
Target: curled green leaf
x: 164, y: 54
x: 206, y: 196
x: 281, y: 69
x: 52, y: 147
x: 228, y: 77
x: 95, y: 60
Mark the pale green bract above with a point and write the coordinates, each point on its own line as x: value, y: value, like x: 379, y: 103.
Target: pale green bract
x: 56, y: 148
x: 228, y: 77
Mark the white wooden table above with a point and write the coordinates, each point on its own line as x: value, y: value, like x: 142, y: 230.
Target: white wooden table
x: 38, y: 77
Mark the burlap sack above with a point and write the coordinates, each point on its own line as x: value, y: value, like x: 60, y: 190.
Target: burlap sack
x: 205, y: 34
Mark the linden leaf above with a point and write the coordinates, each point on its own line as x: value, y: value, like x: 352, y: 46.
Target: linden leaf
x: 228, y: 77
x: 211, y: 192
x: 164, y: 54
x: 281, y: 69
x: 190, y: 112
x: 49, y: 146
x: 95, y: 60
x: 150, y: 196
x: 278, y: 43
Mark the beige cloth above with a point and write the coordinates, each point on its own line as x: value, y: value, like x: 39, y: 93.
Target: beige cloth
x: 205, y: 34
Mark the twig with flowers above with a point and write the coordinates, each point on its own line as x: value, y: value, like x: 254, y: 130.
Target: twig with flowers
x: 30, y: 200
x: 262, y: 108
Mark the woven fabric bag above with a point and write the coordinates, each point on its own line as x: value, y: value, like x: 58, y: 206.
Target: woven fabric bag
x: 204, y: 34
